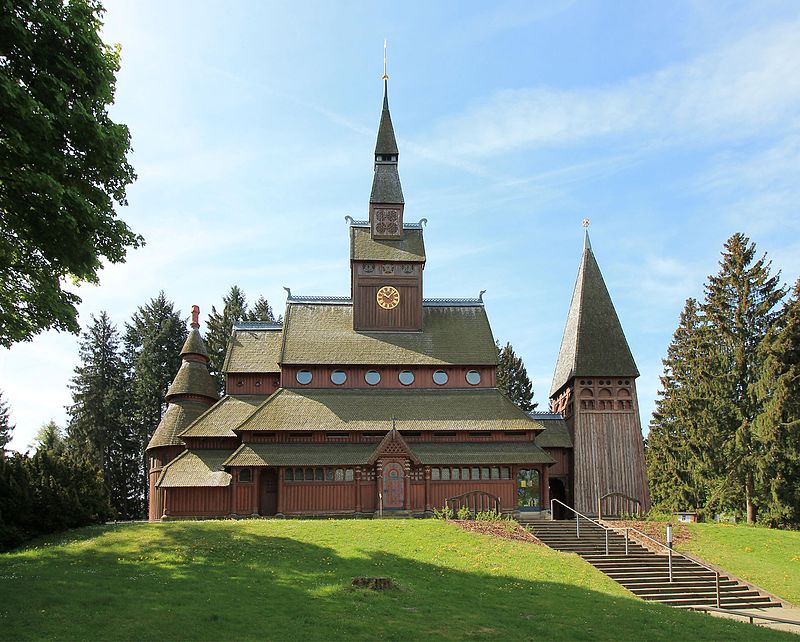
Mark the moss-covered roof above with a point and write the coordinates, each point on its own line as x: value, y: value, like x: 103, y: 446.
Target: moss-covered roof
x: 194, y: 344
x: 300, y: 454
x: 451, y: 335
x: 193, y: 379
x: 223, y: 416
x: 555, y: 433
x: 363, y: 247
x: 362, y: 409
x: 593, y: 344
x: 196, y: 468
x: 175, y: 420
x: 253, y: 351
x: 519, y: 452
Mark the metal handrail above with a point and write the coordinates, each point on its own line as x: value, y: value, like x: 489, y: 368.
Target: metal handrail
x: 713, y: 609
x: 628, y: 529
x: 620, y: 495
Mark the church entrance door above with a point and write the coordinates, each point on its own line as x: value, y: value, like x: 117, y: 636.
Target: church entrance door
x: 393, y: 486
x: 268, y: 504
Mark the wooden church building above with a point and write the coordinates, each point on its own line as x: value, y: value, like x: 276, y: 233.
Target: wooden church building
x: 385, y: 401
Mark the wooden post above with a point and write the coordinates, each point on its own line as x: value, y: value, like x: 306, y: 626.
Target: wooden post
x: 358, y: 489
x: 427, y: 489
x: 406, y: 484
x: 545, y: 486
x: 281, y: 486
x: 255, y: 491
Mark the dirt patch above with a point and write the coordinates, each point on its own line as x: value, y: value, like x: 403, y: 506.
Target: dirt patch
x: 504, y: 529
x: 657, y: 530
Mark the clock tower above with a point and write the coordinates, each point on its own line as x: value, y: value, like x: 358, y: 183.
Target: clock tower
x: 387, y: 256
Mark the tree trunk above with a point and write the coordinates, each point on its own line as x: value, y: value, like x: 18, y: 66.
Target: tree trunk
x: 749, y: 492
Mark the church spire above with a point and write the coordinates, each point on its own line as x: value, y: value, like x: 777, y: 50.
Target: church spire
x: 386, y: 199
x: 593, y: 344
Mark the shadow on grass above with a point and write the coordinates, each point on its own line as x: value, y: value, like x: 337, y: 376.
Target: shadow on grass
x: 192, y: 581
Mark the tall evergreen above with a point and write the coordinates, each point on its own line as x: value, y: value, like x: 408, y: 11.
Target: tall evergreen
x: 6, y: 427
x: 512, y: 378
x: 671, y: 463
x: 740, y: 306
x: 98, y: 428
x: 153, y: 341
x: 49, y: 437
x: 262, y: 311
x: 220, y: 328
x: 777, y: 426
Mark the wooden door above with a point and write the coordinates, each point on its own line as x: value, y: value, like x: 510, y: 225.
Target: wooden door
x: 393, y: 486
x: 268, y: 504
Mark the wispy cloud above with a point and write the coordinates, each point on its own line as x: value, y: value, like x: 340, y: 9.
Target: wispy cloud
x: 726, y: 94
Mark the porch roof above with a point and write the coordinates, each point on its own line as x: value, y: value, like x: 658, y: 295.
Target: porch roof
x: 195, y: 468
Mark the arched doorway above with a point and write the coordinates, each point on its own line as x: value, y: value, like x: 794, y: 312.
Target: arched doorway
x: 529, y: 489
x: 393, y: 486
x: 558, y: 491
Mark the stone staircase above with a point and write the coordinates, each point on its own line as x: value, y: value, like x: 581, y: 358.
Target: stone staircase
x: 645, y: 573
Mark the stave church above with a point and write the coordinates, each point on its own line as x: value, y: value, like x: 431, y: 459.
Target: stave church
x: 386, y: 403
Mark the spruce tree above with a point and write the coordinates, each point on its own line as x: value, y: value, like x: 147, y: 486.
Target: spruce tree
x: 6, y: 427
x: 777, y: 426
x: 49, y: 437
x: 98, y: 429
x: 740, y: 302
x: 262, y: 311
x: 671, y: 463
x: 220, y: 328
x: 153, y: 342
x: 512, y: 378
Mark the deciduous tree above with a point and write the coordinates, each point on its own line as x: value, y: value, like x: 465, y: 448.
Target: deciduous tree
x: 6, y: 427
x: 63, y: 162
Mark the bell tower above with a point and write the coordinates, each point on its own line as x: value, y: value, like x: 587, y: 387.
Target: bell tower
x: 594, y: 387
x: 387, y: 256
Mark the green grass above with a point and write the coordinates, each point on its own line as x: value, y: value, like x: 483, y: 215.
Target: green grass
x: 766, y: 557
x: 291, y: 580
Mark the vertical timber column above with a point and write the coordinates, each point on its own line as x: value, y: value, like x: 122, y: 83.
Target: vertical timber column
x: 166, y: 503
x: 281, y: 486
x: 427, y: 489
x: 359, y: 477
x: 255, y: 491
x: 545, y: 487
x: 406, y: 484
x: 379, y: 486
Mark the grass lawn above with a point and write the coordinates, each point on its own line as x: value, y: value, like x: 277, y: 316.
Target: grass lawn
x: 768, y: 558
x: 275, y: 579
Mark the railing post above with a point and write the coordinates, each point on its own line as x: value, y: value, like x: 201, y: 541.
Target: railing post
x: 719, y: 598
x: 606, y: 541
x: 626, y: 541
x: 552, y: 509
x: 669, y: 556
x: 577, y: 526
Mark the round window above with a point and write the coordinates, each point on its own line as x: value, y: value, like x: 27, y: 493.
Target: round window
x: 338, y: 377
x: 440, y: 377
x: 406, y: 377
x: 303, y: 377
x: 473, y: 377
x: 373, y: 377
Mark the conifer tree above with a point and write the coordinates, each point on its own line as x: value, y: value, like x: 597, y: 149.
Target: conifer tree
x: 671, y: 470
x: 49, y: 437
x: 153, y: 342
x: 777, y: 426
x: 6, y: 427
x: 220, y: 328
x: 99, y: 430
x: 512, y: 378
x: 262, y: 311
x: 740, y: 302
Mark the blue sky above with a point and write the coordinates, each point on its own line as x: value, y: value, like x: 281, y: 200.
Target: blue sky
x: 669, y: 125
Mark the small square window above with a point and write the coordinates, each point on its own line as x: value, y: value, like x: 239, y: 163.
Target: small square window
x: 289, y: 475
x: 319, y: 474
x: 329, y: 474
x: 245, y: 475
x: 475, y: 473
x: 465, y: 474
x: 339, y: 474
x: 445, y: 474
x: 484, y: 473
x: 309, y: 474
x: 348, y: 475
x: 505, y: 472
x: 298, y: 474
x: 495, y: 473
x: 456, y: 474
x: 435, y: 474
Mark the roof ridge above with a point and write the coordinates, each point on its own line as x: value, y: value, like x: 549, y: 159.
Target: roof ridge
x: 257, y: 325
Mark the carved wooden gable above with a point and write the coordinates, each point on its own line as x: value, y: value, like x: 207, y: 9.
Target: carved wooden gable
x: 393, y: 445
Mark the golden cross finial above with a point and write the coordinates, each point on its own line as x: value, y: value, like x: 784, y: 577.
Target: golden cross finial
x: 385, y: 75
x: 585, y: 222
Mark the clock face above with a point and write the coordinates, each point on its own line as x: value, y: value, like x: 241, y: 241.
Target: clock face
x: 388, y: 297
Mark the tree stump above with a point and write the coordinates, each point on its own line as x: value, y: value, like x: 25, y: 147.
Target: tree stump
x: 374, y: 583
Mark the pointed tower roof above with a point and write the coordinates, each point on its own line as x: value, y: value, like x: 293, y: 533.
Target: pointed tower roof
x: 594, y: 344
x: 386, y: 186
x: 192, y: 391
x: 386, y: 143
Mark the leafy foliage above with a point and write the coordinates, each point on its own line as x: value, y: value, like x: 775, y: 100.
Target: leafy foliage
x: 6, y: 427
x: 512, y: 378
x: 62, y: 162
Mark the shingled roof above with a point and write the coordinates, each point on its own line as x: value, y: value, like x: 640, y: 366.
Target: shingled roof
x: 194, y: 344
x: 411, y: 248
x: 175, y: 420
x: 555, y: 433
x: 510, y: 452
x: 193, y: 379
x: 323, y: 334
x: 253, y: 350
x: 362, y: 409
x: 224, y: 416
x: 196, y: 468
x: 593, y: 343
